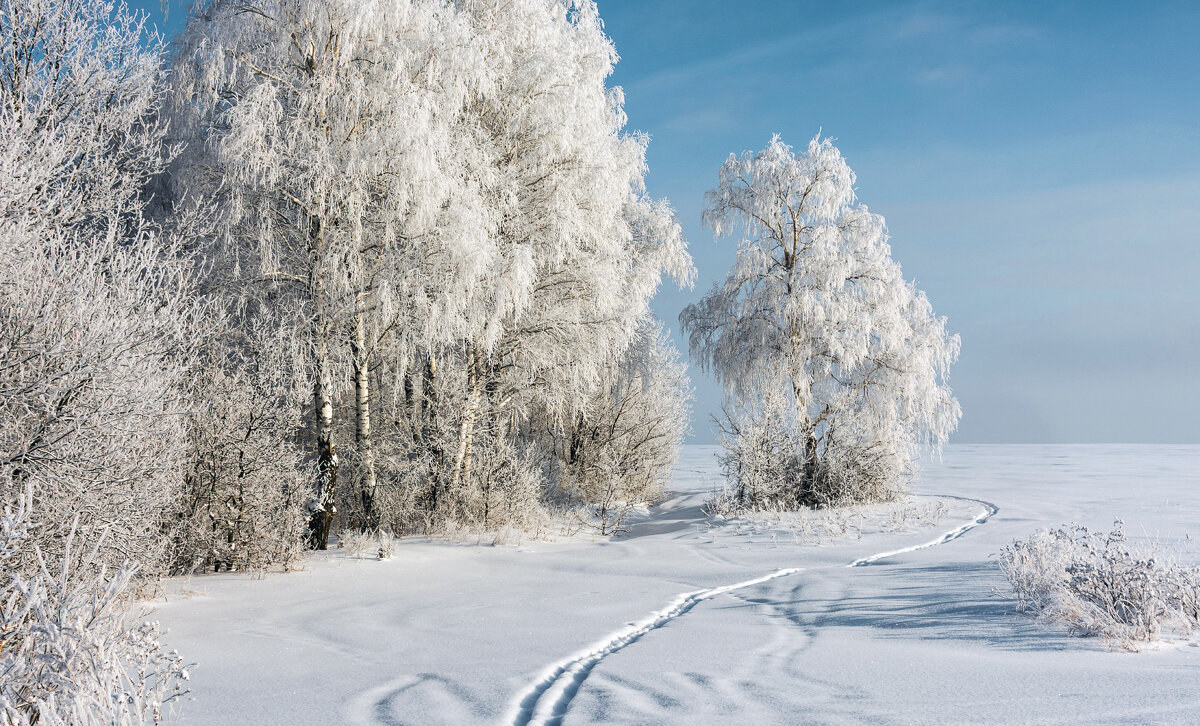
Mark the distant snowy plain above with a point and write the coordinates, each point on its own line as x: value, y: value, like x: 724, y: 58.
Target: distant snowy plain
x: 688, y: 620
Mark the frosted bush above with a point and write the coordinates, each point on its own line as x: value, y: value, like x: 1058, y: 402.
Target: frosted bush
x: 762, y: 458
x: 96, y: 317
x: 356, y: 542
x: 359, y: 542
x: 67, y: 653
x: 618, y: 453
x: 1097, y: 585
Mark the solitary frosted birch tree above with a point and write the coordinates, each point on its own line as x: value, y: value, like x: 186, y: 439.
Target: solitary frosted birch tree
x: 835, y: 364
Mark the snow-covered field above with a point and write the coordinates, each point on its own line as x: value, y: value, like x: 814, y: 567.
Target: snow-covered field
x: 684, y: 620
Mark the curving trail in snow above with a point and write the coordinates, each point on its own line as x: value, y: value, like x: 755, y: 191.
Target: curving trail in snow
x: 989, y: 510
x: 546, y: 700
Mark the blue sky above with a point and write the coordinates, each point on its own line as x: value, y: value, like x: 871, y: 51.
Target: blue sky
x: 1038, y: 165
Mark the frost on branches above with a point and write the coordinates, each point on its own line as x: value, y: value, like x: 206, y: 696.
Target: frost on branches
x: 440, y: 204
x: 246, y: 487
x: 67, y: 655
x: 95, y: 310
x: 835, y: 366
x: 518, y: 358
x: 95, y: 314
x: 1098, y: 584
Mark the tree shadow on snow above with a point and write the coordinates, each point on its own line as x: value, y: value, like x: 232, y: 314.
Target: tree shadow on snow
x: 963, y: 601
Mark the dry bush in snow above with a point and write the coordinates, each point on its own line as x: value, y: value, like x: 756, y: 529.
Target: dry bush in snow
x: 356, y: 542
x: 1097, y: 585
x: 762, y: 458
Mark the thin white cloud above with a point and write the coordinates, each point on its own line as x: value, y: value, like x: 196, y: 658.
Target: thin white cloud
x: 911, y: 28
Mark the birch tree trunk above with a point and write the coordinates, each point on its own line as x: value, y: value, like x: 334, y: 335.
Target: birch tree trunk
x: 361, y: 357
x: 322, y: 506
x: 428, y: 433
x: 466, y: 431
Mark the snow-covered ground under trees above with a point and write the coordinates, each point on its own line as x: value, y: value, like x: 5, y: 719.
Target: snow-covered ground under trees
x: 684, y: 620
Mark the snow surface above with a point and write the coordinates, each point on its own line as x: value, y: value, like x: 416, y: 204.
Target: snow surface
x: 686, y: 620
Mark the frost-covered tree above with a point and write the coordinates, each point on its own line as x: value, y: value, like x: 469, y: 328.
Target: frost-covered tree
x: 442, y: 201
x: 95, y: 322
x: 317, y: 128
x: 577, y: 249
x: 836, y: 365
x: 95, y: 312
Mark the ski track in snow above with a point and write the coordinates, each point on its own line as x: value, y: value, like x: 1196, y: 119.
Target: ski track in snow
x: 990, y: 509
x: 546, y: 700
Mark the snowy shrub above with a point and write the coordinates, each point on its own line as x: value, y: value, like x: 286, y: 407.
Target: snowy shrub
x: 836, y: 366
x: 762, y: 458
x: 68, y: 656
x: 619, y: 451
x: 417, y: 491
x: 765, y: 456
x: 1097, y: 585
x: 357, y: 543
x: 508, y: 489
x: 246, y: 486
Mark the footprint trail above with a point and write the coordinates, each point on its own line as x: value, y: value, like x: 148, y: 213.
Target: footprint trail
x: 545, y: 701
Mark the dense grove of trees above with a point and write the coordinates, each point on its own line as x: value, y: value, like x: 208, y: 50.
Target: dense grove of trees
x: 382, y: 265
x: 435, y: 210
